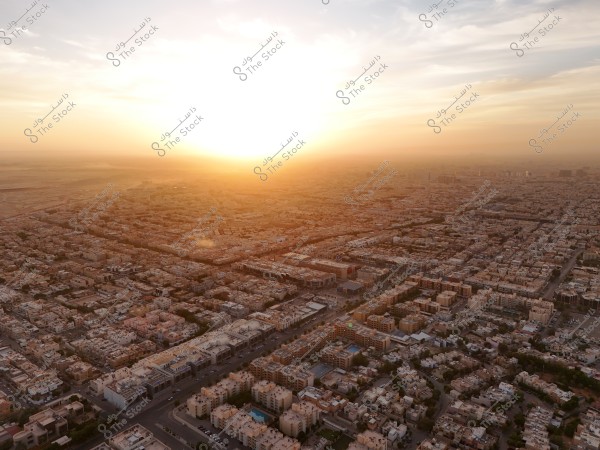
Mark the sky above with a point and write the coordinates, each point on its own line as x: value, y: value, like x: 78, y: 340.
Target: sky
x: 297, y: 101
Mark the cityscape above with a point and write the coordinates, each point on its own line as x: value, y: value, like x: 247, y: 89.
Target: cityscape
x: 300, y: 225
x: 457, y: 311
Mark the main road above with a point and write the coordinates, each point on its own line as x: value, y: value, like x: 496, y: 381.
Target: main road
x: 158, y: 412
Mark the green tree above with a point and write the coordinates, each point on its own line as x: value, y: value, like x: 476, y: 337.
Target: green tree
x: 519, y: 420
x: 360, y: 360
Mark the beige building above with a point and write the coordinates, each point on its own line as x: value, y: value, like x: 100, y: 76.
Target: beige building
x: 446, y: 298
x: 202, y: 404
x: 274, y: 397
x: 381, y: 323
x: 136, y: 438
x: 272, y: 439
x: 412, y: 323
x: 47, y: 425
x: 369, y: 440
x: 222, y: 413
x: 337, y: 356
x: 298, y: 418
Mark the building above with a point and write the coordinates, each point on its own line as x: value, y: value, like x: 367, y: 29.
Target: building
x: 385, y: 324
x: 535, y: 434
x: 587, y: 436
x: 272, y: 396
x: 200, y: 405
x: 412, y: 323
x: 369, y: 440
x: 136, y: 438
x: 47, y: 425
x: 337, y: 355
x: 362, y: 335
x: 221, y: 414
x: 299, y: 418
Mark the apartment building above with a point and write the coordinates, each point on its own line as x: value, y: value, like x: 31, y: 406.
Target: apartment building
x: 272, y: 396
x: 299, y: 418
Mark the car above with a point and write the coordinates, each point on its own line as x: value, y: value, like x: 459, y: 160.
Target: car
x: 170, y: 398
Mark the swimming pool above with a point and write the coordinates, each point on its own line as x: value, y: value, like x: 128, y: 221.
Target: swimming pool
x: 353, y: 348
x: 259, y: 416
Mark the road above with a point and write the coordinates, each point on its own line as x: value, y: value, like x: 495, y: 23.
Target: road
x: 566, y: 268
x: 159, y: 410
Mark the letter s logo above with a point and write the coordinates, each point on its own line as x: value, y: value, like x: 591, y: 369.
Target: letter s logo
x: 541, y: 149
x: 158, y: 149
x: 260, y: 173
x: 33, y: 138
x: 517, y: 49
x: 5, y: 38
x: 113, y: 59
x: 425, y: 20
x: 344, y: 98
x: 434, y: 126
x: 240, y: 73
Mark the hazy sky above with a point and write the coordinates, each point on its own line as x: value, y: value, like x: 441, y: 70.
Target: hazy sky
x: 188, y: 63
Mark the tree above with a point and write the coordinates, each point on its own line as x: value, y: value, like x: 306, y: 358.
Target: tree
x: 426, y: 424
x: 571, y: 404
x: 519, y: 420
x: 571, y: 427
x: 84, y: 433
x: 360, y: 360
